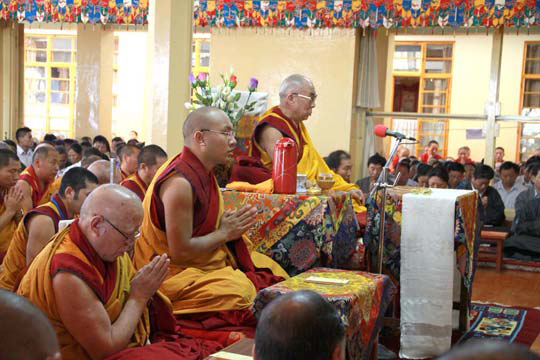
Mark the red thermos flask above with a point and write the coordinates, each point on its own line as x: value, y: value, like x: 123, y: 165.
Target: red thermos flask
x: 284, y: 167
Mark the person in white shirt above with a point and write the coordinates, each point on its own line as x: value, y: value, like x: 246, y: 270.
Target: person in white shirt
x: 24, y: 145
x: 508, y: 187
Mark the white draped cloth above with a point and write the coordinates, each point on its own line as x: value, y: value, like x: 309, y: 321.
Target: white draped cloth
x: 427, y: 272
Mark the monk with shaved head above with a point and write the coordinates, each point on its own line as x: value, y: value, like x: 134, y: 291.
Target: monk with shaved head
x: 83, y: 280
x: 149, y: 161
x: 297, y: 97
x: 300, y: 325
x: 36, y: 180
x: 214, y: 273
x: 128, y: 155
x: 25, y: 332
x: 102, y: 170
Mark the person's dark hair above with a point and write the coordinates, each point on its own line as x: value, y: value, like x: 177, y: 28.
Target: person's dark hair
x: 102, y: 139
x: 432, y: 142
x: 483, y: 172
x: 508, y: 165
x: 68, y: 142
x: 59, y: 142
x: 489, y: 350
x: 117, y: 139
x: 404, y: 162
x: 454, y: 166
x: 77, y: 148
x: 135, y: 142
x: 376, y: 160
x: 469, y: 164
x: 533, y: 169
x: 77, y: 178
x: 127, y: 150
x: 423, y: 170
x: 22, y: 132
x: 6, y: 156
x: 11, y: 143
x: 414, y: 162
x: 61, y: 149
x: 499, y: 148
x: 334, y: 159
x: 149, y: 155
x: 50, y: 138
x: 439, y: 172
x: 298, y: 325
x: 93, y: 151
x: 532, y: 159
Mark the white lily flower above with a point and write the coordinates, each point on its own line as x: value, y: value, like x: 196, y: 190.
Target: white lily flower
x: 188, y: 105
x: 230, y: 98
x: 226, y: 91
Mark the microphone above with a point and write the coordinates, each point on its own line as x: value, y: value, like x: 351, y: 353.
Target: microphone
x: 382, y: 131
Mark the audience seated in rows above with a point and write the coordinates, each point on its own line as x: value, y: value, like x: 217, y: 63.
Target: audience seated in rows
x: 438, y: 178
x: 375, y: 165
x: 431, y: 152
x: 456, y: 174
x: 41, y: 223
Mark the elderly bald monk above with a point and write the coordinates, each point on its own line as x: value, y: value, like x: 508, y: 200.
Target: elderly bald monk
x: 25, y: 332
x: 102, y: 170
x: 84, y: 282
x: 10, y: 198
x: 213, y: 268
x: 40, y: 224
x: 149, y: 161
x: 36, y: 180
x: 297, y: 99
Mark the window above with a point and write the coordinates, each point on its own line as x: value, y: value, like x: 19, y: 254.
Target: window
x: 422, y: 75
x: 529, y: 133
x: 49, y: 83
x: 200, y: 55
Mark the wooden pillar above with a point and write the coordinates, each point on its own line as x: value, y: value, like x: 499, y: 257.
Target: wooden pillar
x: 170, y: 28
x: 493, y: 107
x: 11, y: 84
x: 95, y: 51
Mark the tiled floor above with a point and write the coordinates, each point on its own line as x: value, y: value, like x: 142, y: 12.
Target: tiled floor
x: 509, y: 287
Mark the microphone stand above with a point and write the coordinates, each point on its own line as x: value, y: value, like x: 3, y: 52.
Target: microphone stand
x: 382, y: 183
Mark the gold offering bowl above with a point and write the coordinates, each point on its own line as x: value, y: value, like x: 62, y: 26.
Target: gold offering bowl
x: 325, y: 181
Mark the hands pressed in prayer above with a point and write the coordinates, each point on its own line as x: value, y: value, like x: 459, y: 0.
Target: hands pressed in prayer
x: 485, y: 201
x: 13, y: 200
x: 149, y: 278
x: 235, y: 223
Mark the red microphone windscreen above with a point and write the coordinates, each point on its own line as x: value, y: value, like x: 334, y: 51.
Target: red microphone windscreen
x: 380, y: 130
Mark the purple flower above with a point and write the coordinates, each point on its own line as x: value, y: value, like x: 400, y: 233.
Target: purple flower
x: 191, y: 78
x: 253, y: 83
x: 201, y: 77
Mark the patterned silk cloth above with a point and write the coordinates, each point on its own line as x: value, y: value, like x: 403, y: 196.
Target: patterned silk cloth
x: 300, y: 232
x: 361, y: 302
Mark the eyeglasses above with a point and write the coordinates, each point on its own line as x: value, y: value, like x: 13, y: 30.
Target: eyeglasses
x: 128, y: 238
x: 229, y: 133
x: 311, y: 98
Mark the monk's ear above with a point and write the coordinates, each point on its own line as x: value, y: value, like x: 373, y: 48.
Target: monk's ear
x: 68, y: 192
x: 199, y: 138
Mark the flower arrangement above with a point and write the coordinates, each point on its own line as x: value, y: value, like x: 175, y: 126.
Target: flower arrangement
x: 223, y: 97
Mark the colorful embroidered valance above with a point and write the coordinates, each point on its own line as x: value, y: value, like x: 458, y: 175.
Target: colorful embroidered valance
x: 75, y: 11
x: 308, y: 14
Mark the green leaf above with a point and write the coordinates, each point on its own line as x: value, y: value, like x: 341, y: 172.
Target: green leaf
x: 237, y: 97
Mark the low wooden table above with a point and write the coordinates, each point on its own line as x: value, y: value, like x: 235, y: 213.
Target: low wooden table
x: 242, y: 350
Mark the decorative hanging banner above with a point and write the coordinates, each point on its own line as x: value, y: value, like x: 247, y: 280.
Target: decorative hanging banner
x: 75, y: 11
x: 313, y: 14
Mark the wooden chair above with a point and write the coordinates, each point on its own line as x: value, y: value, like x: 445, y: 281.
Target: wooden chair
x: 497, y: 238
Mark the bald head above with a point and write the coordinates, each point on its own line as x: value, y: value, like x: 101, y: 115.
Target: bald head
x: 102, y: 170
x: 489, y: 350
x: 294, y: 84
x: 25, y: 332
x: 299, y: 325
x: 107, y: 199
x: 203, y: 118
x: 43, y: 151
